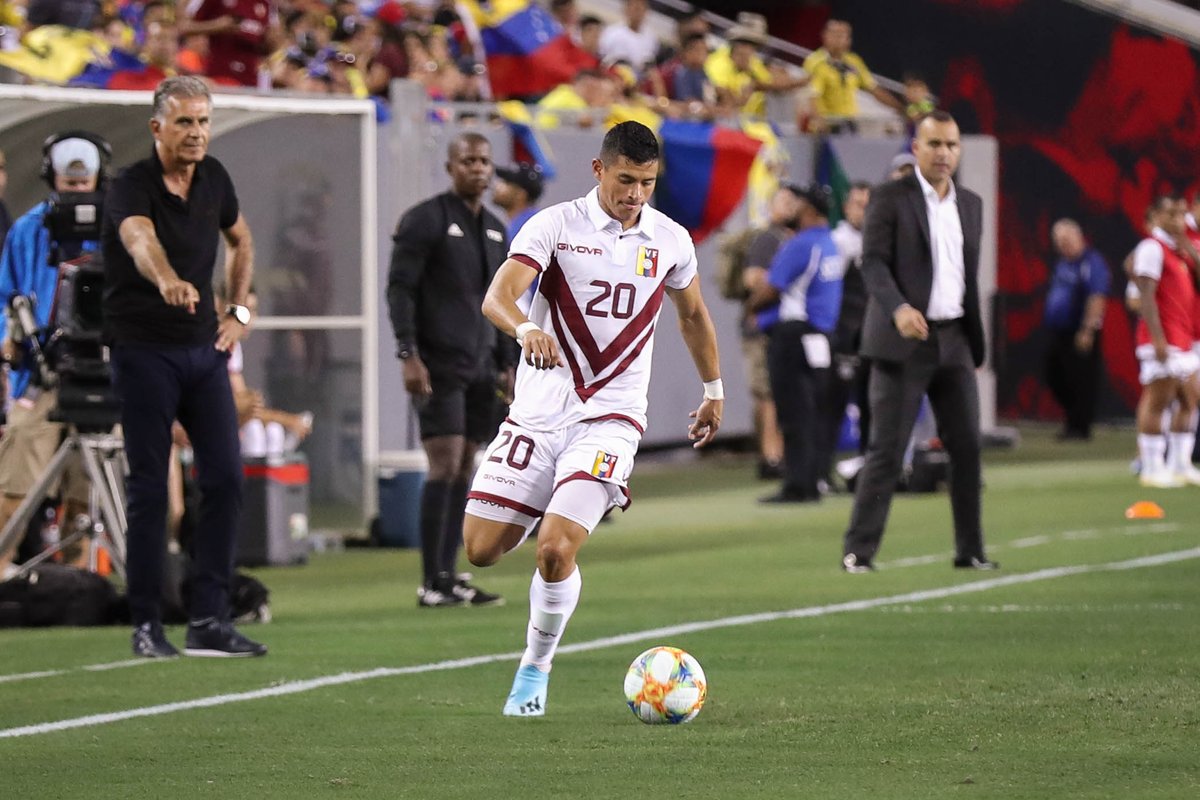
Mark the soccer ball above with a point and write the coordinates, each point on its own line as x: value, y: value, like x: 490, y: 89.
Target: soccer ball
x: 665, y: 684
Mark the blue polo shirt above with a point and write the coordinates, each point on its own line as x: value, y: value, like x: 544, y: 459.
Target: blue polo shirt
x: 807, y: 271
x: 1071, y: 283
x: 25, y: 269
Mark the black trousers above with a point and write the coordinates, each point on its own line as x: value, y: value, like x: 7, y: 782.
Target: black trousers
x: 848, y: 381
x: 1074, y: 379
x: 158, y: 385
x: 799, y: 390
x: 941, y: 367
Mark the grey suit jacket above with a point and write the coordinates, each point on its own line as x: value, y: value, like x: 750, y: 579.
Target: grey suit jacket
x: 897, y: 266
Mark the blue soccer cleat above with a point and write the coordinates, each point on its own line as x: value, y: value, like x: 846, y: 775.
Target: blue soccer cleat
x: 528, y: 695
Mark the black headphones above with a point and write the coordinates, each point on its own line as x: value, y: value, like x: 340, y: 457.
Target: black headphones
x: 105, y: 149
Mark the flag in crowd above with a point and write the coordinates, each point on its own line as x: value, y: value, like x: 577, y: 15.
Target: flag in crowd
x: 706, y: 171
x: 528, y: 52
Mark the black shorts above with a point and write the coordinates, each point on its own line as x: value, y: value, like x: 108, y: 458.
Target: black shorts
x: 454, y: 409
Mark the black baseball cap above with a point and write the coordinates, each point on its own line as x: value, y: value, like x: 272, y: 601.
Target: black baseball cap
x: 816, y: 195
x: 528, y: 176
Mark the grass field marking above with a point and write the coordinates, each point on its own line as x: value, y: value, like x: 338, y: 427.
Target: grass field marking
x: 25, y: 676
x: 52, y: 673
x: 1081, y: 534
x: 1016, y: 608
x: 296, y: 687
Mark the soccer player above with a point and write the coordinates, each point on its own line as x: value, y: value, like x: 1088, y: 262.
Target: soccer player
x: 565, y: 452
x: 1164, y: 346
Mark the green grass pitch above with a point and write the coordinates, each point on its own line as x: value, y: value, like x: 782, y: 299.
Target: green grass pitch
x: 1082, y: 682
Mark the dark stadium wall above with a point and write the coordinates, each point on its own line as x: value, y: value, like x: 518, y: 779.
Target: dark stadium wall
x: 1093, y: 117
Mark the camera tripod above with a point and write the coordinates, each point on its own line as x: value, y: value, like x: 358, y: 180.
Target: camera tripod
x: 103, y: 456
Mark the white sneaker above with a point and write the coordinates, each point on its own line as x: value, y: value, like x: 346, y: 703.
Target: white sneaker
x: 1161, y: 479
x: 1190, y: 475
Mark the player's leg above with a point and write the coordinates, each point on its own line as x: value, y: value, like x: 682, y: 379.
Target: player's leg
x: 1181, y: 439
x: 481, y: 422
x: 574, y: 511
x: 1159, y: 389
x: 590, y: 478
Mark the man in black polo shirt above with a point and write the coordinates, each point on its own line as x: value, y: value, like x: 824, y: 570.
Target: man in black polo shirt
x: 445, y: 252
x: 163, y: 219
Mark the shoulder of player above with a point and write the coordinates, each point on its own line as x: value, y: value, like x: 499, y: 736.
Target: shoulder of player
x: 557, y: 216
x: 679, y: 234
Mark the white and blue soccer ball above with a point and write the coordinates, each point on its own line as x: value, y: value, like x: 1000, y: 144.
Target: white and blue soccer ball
x: 665, y: 685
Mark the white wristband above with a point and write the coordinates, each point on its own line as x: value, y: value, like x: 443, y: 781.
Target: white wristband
x: 714, y: 390
x: 525, y: 328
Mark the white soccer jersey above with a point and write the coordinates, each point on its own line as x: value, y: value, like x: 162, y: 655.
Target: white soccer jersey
x: 600, y: 294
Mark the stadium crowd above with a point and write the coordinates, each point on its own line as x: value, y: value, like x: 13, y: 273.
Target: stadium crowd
x: 345, y: 47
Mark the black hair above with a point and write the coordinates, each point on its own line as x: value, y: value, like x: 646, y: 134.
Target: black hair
x: 691, y: 39
x: 1164, y: 199
x: 860, y: 185
x: 937, y: 115
x: 630, y: 139
x: 589, y: 19
x: 464, y: 141
x: 913, y: 76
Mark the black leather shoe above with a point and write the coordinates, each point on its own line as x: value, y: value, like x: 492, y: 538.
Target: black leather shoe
x: 149, y: 641
x: 975, y: 562
x: 856, y: 565
x: 217, y: 639
x: 789, y: 497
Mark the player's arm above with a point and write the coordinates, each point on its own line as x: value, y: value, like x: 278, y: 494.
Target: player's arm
x: 1147, y: 270
x: 239, y: 267
x: 701, y: 339
x: 141, y: 242
x: 512, y: 280
x: 1147, y: 286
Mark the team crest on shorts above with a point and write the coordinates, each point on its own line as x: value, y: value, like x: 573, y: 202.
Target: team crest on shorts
x: 647, y: 262
x: 605, y: 464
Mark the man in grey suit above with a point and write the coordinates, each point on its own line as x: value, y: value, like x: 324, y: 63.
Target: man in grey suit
x: 924, y: 335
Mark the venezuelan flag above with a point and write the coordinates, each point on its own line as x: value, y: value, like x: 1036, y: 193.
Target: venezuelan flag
x: 529, y: 147
x: 528, y: 52
x: 706, y: 169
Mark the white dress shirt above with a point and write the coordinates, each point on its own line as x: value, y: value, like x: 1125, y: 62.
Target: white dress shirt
x: 620, y: 43
x: 946, y: 244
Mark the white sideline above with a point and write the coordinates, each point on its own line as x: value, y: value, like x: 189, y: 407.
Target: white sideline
x: 911, y: 561
x: 669, y: 631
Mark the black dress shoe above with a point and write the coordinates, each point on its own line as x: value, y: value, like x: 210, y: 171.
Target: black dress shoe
x: 214, y: 638
x: 856, y: 565
x: 769, y: 470
x: 975, y: 562
x: 149, y: 641
x: 790, y: 497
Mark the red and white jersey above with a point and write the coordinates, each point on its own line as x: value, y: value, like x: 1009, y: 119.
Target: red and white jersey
x: 600, y: 294
x: 1175, y: 295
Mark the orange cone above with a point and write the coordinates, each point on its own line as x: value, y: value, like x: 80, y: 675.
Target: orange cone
x: 1145, y: 509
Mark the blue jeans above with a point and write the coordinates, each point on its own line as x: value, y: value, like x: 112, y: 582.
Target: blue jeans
x: 157, y: 386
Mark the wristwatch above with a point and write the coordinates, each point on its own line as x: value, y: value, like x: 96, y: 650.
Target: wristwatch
x: 240, y: 313
x: 405, y: 351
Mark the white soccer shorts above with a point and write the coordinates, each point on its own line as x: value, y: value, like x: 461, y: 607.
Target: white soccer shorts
x: 523, y: 468
x: 1180, y: 364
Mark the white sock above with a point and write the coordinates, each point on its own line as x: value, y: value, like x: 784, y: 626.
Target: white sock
x: 1153, y: 449
x: 1180, y: 452
x: 550, y: 607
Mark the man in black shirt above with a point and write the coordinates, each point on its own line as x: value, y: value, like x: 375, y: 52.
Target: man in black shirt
x: 163, y: 218
x: 445, y: 252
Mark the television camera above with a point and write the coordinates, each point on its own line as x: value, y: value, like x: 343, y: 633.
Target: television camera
x: 72, y: 357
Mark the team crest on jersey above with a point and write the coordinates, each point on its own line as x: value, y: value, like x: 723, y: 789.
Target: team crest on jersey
x: 605, y: 464
x: 647, y: 262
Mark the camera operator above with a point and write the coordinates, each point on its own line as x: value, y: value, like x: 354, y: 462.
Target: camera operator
x: 163, y: 219
x: 71, y: 163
